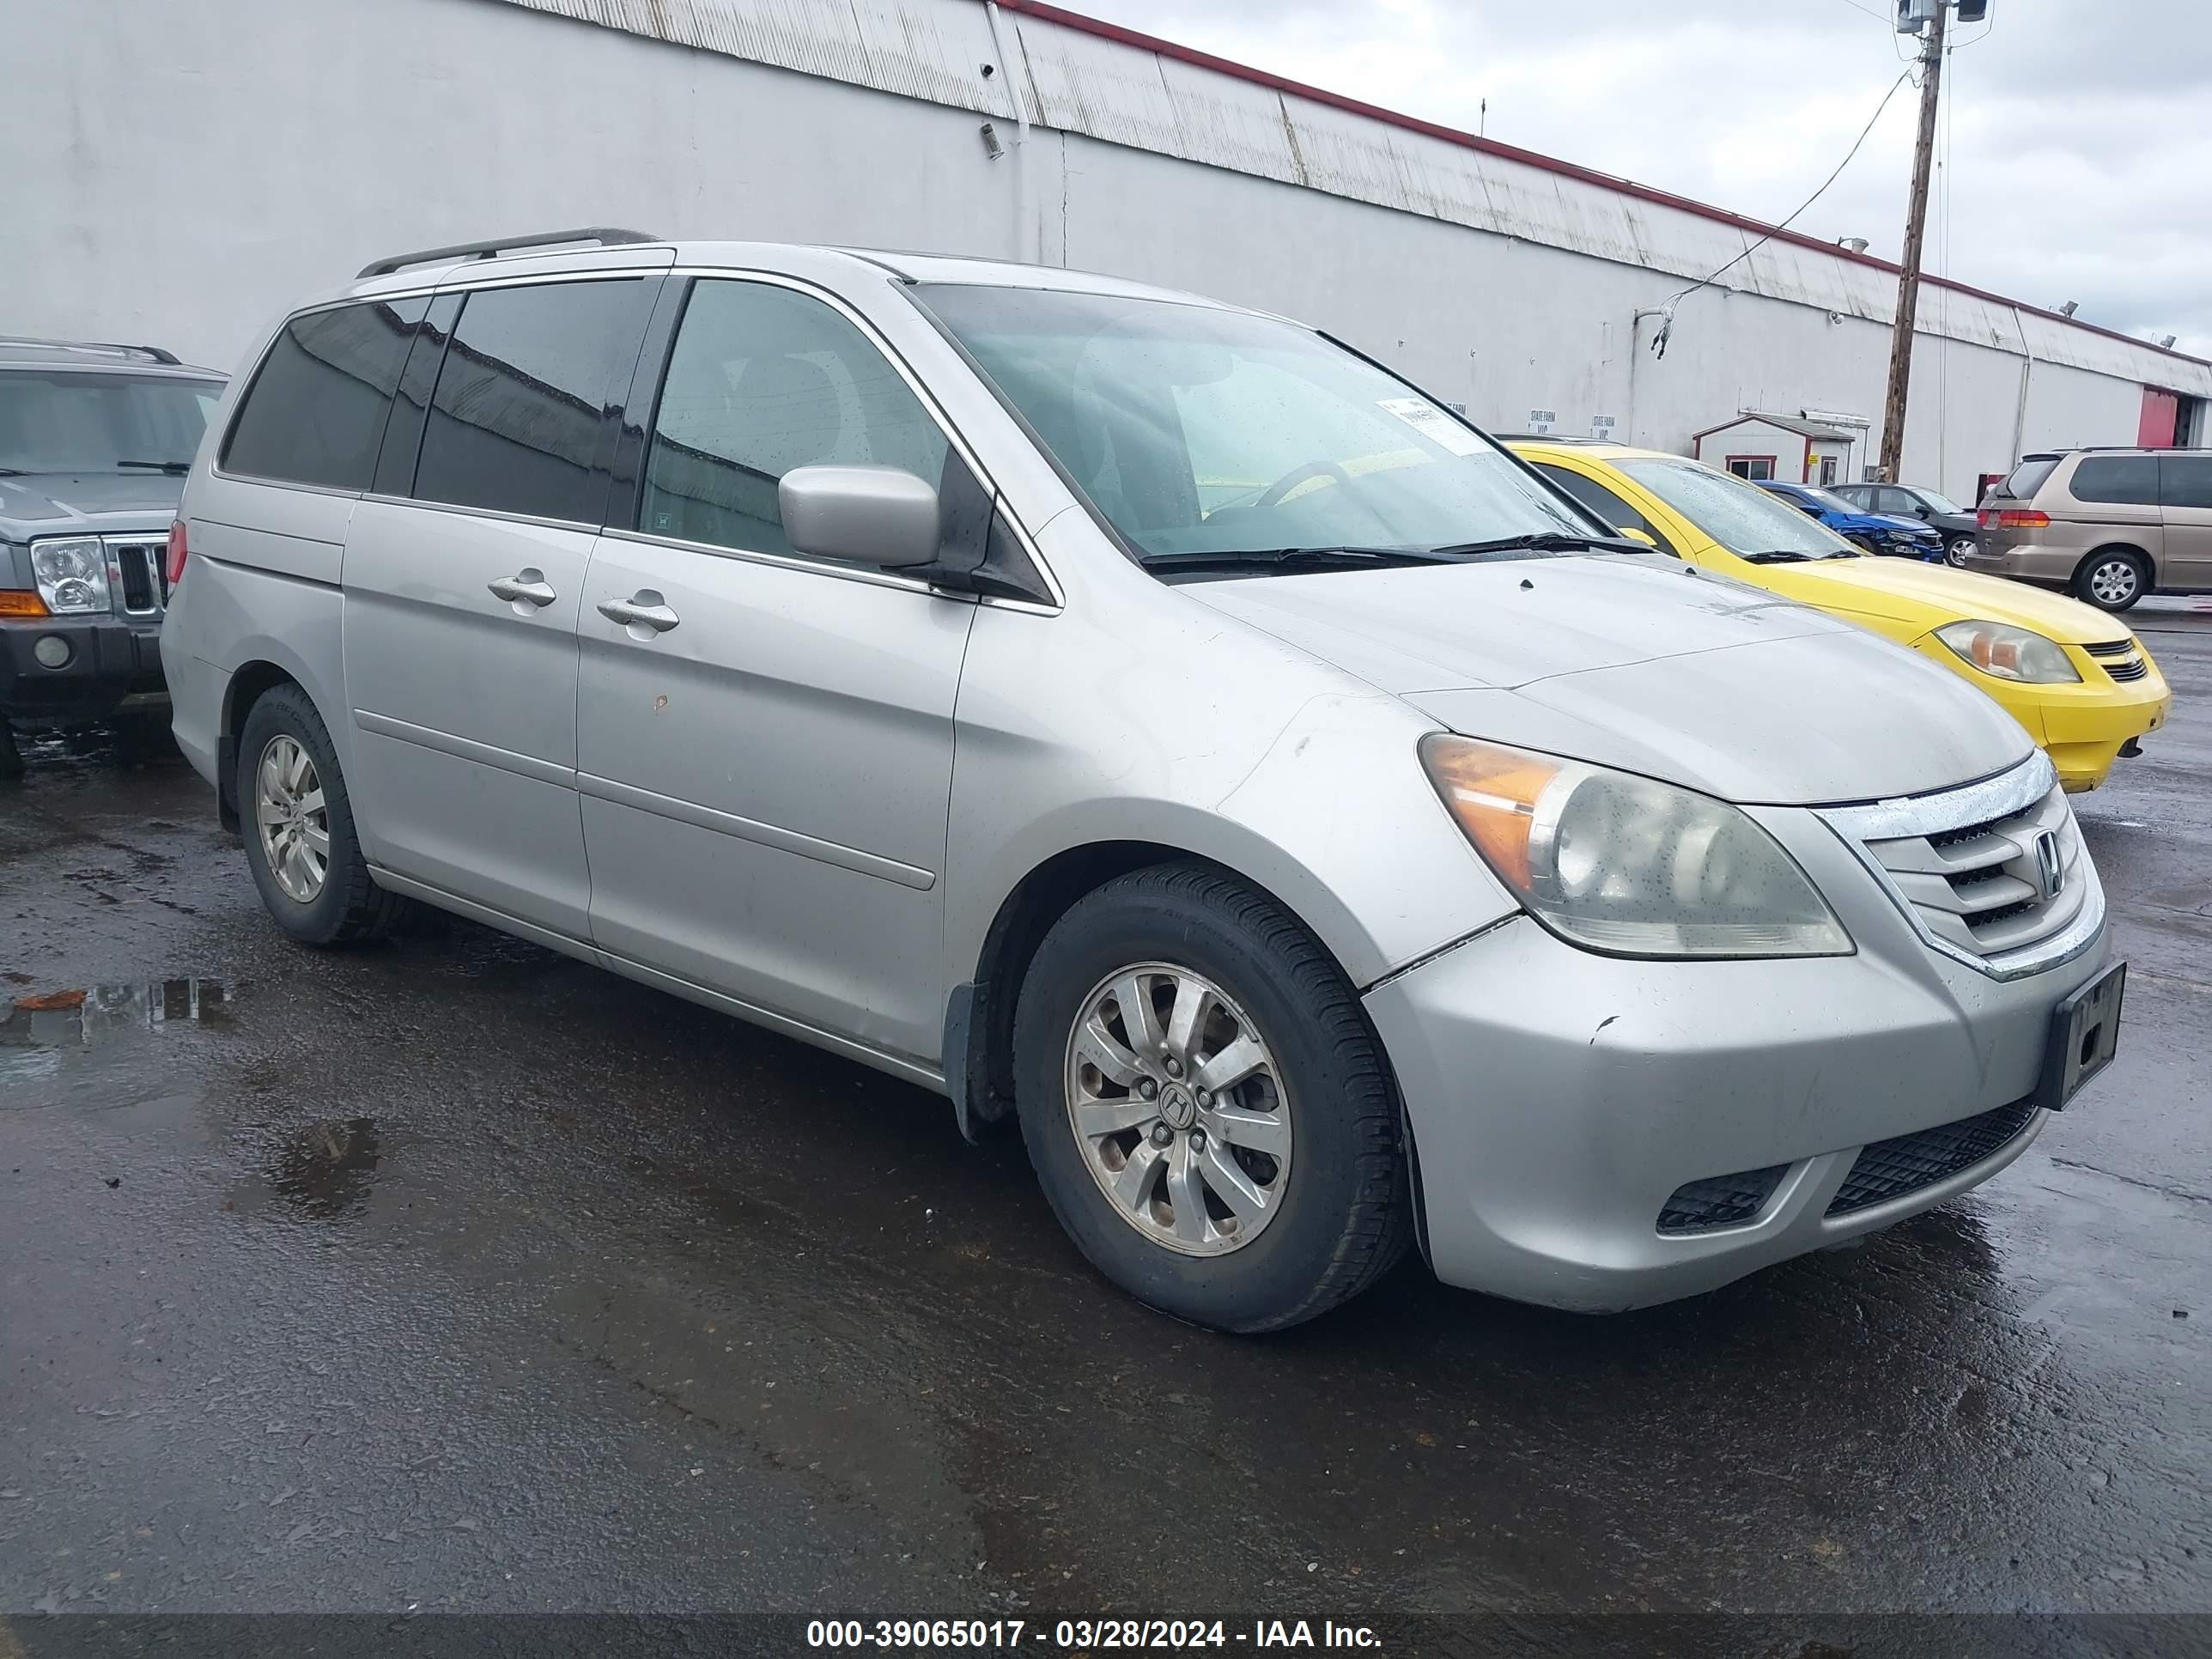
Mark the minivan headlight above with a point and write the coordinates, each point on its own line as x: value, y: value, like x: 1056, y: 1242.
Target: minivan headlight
x: 2006, y: 652
x: 71, y: 576
x: 1627, y: 865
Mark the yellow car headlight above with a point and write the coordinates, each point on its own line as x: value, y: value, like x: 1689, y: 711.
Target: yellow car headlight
x: 2006, y: 653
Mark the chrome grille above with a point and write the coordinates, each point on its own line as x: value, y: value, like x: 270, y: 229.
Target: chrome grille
x: 137, y: 570
x: 1994, y: 874
x: 2122, y: 659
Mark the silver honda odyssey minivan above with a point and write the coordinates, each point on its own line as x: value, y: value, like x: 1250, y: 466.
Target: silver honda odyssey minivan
x: 1143, y: 721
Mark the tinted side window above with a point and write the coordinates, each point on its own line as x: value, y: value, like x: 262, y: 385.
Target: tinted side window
x: 1610, y: 508
x: 2128, y: 478
x: 315, y: 411
x: 2186, y: 480
x: 410, y: 404
x: 521, y: 421
x: 763, y: 379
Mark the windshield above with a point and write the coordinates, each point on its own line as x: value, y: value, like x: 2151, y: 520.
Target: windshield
x: 74, y: 421
x: 1935, y: 503
x: 1741, y: 517
x: 1196, y: 431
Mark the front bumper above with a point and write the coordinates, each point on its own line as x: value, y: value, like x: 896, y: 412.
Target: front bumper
x: 108, y: 661
x: 1558, y: 1099
x: 2082, y: 724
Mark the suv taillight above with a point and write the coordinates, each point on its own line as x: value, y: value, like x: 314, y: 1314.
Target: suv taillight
x: 2008, y: 519
x: 179, y: 551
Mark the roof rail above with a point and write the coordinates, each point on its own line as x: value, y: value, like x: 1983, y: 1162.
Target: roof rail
x: 155, y: 354
x: 605, y: 236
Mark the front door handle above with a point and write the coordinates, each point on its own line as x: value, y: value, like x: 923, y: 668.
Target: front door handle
x: 527, y: 586
x: 643, y: 610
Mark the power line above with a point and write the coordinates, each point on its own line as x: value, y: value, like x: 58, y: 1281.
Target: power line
x: 1666, y: 308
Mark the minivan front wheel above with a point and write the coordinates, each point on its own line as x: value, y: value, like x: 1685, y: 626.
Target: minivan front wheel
x: 1207, y: 1111
x: 300, y: 839
x: 2112, y: 580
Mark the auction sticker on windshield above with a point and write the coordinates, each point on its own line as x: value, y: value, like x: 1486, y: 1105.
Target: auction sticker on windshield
x: 1432, y: 423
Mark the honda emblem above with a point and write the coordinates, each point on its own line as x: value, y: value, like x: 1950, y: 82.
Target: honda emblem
x: 2049, y: 864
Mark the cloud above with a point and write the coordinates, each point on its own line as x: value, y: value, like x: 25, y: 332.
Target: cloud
x: 2073, y: 144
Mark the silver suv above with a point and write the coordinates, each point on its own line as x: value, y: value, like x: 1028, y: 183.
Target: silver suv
x: 1146, y: 719
x: 2109, y: 526
x: 95, y: 443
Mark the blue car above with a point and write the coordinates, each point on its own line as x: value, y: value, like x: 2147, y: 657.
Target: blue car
x: 1877, y: 532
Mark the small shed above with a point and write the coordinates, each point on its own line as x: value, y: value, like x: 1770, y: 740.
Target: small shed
x: 1788, y: 448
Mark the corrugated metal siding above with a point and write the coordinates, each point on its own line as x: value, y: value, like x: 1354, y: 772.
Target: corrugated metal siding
x: 1123, y: 93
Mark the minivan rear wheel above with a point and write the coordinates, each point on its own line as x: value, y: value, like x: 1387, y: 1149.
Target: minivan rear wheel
x: 1207, y: 1111
x: 298, y: 820
x: 2112, y: 579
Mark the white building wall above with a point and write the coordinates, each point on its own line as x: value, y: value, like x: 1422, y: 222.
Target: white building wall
x: 178, y: 172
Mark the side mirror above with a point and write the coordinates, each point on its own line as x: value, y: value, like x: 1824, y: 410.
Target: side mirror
x: 1635, y: 535
x: 879, y: 515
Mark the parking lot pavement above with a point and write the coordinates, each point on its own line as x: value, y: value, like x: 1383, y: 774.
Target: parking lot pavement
x: 452, y: 1273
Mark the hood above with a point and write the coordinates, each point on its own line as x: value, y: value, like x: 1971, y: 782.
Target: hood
x: 60, y: 503
x: 1507, y: 623
x: 1905, y: 591
x: 1628, y: 661
x: 1840, y: 520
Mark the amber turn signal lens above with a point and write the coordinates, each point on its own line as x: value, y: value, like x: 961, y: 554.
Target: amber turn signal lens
x: 14, y: 602
x: 1492, y: 793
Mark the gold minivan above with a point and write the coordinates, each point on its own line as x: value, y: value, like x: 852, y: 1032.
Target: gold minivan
x: 2108, y: 525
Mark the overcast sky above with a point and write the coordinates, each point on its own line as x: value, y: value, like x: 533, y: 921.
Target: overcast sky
x: 2080, y: 162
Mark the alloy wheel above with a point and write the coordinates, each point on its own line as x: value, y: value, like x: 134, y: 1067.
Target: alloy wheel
x: 292, y: 820
x: 2114, y: 581
x: 1176, y: 1099
x: 1956, y: 550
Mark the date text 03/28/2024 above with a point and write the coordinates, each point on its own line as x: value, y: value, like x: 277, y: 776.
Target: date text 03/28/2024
x: 1084, y: 1634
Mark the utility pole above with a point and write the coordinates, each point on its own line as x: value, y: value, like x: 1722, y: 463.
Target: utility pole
x: 1915, y: 221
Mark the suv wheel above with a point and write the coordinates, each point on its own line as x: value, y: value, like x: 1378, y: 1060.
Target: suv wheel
x: 300, y: 839
x: 1207, y: 1111
x: 2112, y: 579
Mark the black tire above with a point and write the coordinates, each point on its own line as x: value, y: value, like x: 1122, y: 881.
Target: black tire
x: 350, y: 905
x: 2099, y: 571
x: 1956, y: 550
x: 1345, y: 1215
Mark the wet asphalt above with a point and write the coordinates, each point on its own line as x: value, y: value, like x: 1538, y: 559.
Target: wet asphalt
x: 449, y: 1273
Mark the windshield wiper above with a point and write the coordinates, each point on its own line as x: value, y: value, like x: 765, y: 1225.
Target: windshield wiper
x: 1778, y: 555
x: 1542, y: 541
x: 1279, y: 558
x: 175, y: 469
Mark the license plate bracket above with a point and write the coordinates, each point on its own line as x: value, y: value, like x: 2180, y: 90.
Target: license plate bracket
x: 2084, y: 1036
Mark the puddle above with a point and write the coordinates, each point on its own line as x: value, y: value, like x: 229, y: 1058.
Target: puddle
x: 324, y: 1173
x: 85, y: 1018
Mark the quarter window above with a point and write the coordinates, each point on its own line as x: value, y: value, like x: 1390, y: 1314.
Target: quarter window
x: 762, y: 380
x: 521, y: 421
x: 2128, y: 479
x: 315, y: 412
x: 2186, y: 480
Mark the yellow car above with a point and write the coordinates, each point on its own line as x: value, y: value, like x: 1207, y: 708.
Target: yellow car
x: 2075, y: 677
